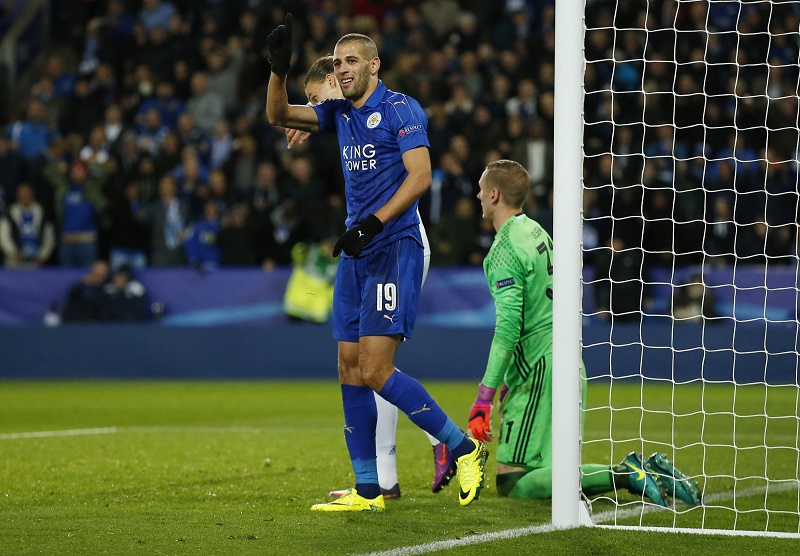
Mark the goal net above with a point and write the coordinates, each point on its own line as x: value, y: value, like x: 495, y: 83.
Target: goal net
x: 690, y: 256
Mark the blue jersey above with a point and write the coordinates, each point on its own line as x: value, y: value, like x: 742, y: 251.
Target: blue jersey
x: 201, y: 246
x: 33, y: 138
x: 372, y: 140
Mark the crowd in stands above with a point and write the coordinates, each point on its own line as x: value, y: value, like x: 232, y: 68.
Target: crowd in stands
x: 143, y: 140
x: 719, y: 156
x: 104, y: 295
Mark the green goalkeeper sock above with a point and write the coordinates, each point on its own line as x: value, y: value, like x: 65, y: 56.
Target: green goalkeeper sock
x: 597, y: 479
x: 537, y: 484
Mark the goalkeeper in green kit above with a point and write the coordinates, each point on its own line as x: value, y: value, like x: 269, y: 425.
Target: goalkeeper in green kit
x: 519, y: 270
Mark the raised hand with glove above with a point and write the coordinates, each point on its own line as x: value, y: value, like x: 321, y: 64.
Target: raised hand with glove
x: 279, y: 46
x: 480, y: 416
x: 354, y: 240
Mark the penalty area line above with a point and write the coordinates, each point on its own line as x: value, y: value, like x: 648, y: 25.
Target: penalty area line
x: 113, y: 430
x: 54, y: 434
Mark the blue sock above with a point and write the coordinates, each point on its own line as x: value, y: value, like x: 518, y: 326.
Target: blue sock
x: 411, y: 398
x: 360, y: 416
x: 455, y: 440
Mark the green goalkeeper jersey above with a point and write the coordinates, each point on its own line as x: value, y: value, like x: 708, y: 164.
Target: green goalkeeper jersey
x: 519, y: 269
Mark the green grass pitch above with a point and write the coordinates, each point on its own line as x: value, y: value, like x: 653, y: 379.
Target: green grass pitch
x: 232, y: 468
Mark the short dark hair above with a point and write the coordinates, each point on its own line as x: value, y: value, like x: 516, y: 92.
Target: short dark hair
x: 511, y: 179
x: 319, y: 70
x: 371, y: 50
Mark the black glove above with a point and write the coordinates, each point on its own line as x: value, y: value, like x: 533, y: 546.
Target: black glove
x: 356, y: 238
x: 279, y: 45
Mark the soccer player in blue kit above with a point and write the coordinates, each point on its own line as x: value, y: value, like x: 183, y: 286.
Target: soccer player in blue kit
x: 386, y: 161
x: 321, y: 85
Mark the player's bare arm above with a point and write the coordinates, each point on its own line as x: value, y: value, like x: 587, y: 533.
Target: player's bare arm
x: 283, y: 114
x: 418, y: 165
x: 279, y: 111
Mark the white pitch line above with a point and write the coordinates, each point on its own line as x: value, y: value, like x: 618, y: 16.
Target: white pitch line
x: 465, y: 541
x: 690, y: 531
x: 53, y: 434
x: 602, y: 517
x: 112, y: 430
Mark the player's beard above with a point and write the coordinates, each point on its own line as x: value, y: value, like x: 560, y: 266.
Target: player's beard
x: 358, y: 87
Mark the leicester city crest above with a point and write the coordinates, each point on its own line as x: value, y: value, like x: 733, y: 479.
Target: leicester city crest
x: 373, y: 120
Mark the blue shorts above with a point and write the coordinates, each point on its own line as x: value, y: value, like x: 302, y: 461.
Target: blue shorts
x: 378, y: 294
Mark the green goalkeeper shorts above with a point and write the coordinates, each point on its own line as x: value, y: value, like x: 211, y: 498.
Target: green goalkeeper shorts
x: 526, y: 422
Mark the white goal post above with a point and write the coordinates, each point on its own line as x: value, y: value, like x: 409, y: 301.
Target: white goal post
x: 676, y: 269
x: 567, y: 296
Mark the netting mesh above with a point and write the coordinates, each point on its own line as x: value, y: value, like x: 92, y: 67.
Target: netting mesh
x: 690, y: 218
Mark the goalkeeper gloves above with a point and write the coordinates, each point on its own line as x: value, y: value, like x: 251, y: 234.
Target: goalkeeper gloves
x: 354, y: 240
x: 480, y: 416
x: 279, y: 46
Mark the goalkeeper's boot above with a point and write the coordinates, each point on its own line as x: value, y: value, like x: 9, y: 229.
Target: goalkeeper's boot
x: 643, y: 482
x: 471, y: 469
x: 444, y: 467
x: 352, y: 502
x: 675, y: 482
x: 388, y: 494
